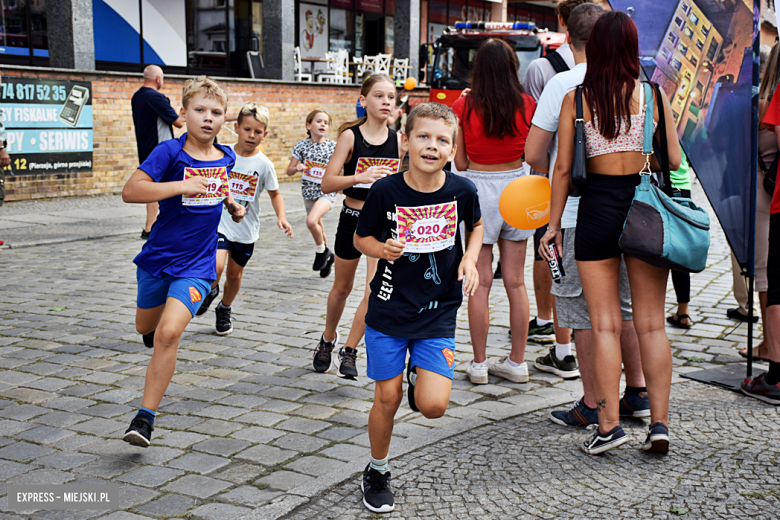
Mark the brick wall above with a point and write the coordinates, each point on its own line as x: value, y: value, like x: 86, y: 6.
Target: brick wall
x: 115, y: 155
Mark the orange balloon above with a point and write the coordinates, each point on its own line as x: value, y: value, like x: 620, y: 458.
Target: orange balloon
x: 525, y: 202
x: 410, y: 83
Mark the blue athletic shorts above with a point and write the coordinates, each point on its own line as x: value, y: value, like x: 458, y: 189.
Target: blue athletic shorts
x: 240, y: 253
x: 387, y: 355
x: 153, y: 291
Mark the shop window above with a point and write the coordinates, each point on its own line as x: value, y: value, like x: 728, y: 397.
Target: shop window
x: 23, y: 31
x: 342, y: 32
x: 257, y: 26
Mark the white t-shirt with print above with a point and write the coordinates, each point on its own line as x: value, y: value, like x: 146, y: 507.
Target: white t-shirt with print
x: 548, y: 111
x: 260, y: 168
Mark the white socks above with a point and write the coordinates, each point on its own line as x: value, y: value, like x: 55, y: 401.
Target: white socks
x: 541, y: 322
x: 477, y: 365
x: 320, y: 248
x: 561, y: 351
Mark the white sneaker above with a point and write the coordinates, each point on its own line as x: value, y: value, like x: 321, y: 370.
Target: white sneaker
x: 477, y: 375
x: 502, y: 368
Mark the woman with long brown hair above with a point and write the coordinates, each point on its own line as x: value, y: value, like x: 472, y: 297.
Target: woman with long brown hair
x: 613, y: 111
x: 494, y: 121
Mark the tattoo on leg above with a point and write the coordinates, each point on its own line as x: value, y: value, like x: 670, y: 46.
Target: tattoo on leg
x: 601, y: 404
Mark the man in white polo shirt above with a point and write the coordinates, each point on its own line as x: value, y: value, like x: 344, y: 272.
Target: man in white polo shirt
x: 571, y: 307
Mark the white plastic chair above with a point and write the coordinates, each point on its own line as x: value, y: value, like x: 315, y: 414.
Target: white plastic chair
x: 337, y: 67
x: 382, y: 63
x: 400, y: 72
x: 299, y: 75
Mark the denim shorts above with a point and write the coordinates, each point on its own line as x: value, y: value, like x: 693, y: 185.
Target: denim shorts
x: 153, y: 291
x: 387, y: 355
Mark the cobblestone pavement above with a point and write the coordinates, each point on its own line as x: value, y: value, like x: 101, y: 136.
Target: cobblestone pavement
x: 46, y: 221
x: 722, y: 464
x: 247, y: 428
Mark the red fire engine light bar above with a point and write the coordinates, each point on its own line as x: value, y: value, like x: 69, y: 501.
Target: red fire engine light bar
x: 496, y: 26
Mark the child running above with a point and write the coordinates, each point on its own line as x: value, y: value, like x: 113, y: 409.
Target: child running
x: 410, y: 221
x: 176, y: 267
x: 367, y: 150
x: 252, y: 174
x: 311, y: 157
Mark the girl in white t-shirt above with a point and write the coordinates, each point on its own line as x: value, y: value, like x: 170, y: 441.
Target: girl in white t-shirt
x: 310, y: 156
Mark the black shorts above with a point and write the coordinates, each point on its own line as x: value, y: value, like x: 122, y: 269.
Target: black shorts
x: 538, y: 234
x: 604, y: 204
x: 773, y: 261
x: 345, y: 234
x: 240, y: 253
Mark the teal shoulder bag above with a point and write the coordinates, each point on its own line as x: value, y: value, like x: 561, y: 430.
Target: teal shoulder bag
x: 663, y: 230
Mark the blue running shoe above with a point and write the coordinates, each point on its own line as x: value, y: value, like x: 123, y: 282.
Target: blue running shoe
x: 598, y: 442
x: 657, y: 440
x: 578, y: 415
x: 635, y: 405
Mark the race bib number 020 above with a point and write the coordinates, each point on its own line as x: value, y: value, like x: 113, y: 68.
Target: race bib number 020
x: 428, y: 229
x: 243, y: 186
x: 366, y: 163
x: 217, y: 187
x: 313, y: 171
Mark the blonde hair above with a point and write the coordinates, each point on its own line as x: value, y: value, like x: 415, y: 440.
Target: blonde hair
x: 365, y: 90
x: 257, y: 111
x: 771, y: 75
x: 433, y: 111
x: 206, y: 87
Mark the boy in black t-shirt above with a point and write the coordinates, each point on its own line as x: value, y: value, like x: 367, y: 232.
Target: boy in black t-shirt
x: 410, y: 221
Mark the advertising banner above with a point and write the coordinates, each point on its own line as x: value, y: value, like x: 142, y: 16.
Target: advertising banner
x: 48, y: 125
x: 701, y: 53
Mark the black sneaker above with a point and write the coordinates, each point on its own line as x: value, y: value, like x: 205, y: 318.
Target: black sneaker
x: 377, y: 496
x: 497, y: 274
x: 325, y: 271
x: 411, y: 378
x: 323, y: 354
x: 566, y: 368
x: 600, y: 442
x: 320, y: 260
x: 204, y: 307
x: 224, y: 326
x: 345, y: 363
x: 140, y: 432
x: 657, y: 440
x: 541, y: 333
x: 149, y: 340
x: 145, y: 234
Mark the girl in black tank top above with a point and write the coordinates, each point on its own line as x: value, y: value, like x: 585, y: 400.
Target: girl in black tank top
x: 356, y: 158
x: 362, y: 149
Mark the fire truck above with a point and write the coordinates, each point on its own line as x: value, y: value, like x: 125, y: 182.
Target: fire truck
x: 455, y: 50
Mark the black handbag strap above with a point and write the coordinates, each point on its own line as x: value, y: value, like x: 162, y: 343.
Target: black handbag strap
x: 578, y: 104
x: 557, y: 62
x: 661, y: 145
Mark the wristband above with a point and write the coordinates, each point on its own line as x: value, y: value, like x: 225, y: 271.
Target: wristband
x: 554, y: 230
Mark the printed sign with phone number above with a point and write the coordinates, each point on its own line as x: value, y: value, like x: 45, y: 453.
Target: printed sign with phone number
x: 313, y: 171
x: 428, y: 229
x: 366, y: 163
x: 217, y: 187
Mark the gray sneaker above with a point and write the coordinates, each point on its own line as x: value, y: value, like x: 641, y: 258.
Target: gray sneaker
x: 760, y: 389
x: 566, y: 368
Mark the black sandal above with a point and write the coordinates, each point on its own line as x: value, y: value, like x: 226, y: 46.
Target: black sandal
x: 676, y: 321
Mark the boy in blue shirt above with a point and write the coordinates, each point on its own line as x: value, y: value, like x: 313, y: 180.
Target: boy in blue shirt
x: 410, y: 221
x: 177, y: 265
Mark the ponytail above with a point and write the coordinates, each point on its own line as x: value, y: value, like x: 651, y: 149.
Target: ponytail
x: 365, y: 90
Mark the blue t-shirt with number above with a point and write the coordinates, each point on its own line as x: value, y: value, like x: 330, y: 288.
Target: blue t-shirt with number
x: 418, y: 295
x: 183, y: 241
